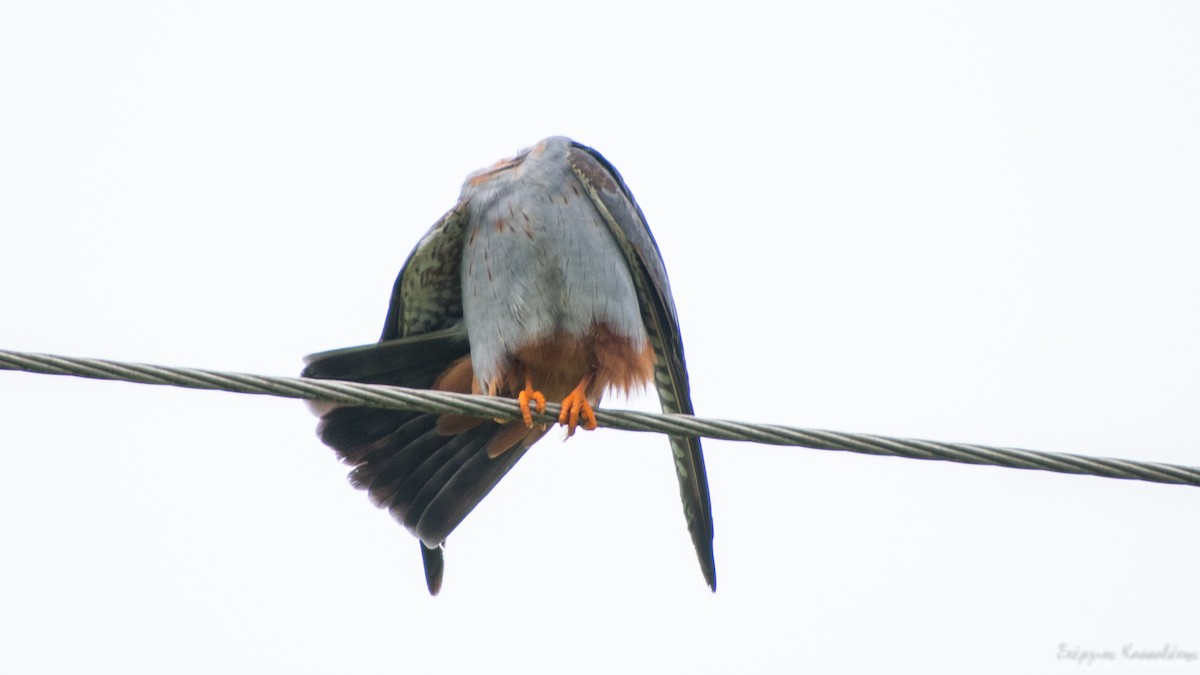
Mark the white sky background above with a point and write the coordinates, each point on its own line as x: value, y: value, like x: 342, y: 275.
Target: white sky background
x: 942, y: 221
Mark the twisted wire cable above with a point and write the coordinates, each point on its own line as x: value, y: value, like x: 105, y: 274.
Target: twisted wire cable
x: 383, y: 396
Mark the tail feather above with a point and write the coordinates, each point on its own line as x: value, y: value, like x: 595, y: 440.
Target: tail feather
x: 360, y: 434
x: 469, y: 484
x: 426, y: 484
x: 428, y: 479
x: 435, y: 564
x: 394, y: 457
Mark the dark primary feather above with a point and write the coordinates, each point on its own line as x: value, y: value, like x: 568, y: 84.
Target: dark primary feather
x: 616, y: 204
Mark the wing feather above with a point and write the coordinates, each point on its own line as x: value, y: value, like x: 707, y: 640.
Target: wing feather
x: 616, y: 205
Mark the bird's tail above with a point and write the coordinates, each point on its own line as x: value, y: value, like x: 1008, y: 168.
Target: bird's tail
x: 428, y: 476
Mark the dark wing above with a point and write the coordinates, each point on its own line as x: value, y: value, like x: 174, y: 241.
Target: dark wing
x: 427, y: 295
x: 427, y: 480
x: 616, y: 205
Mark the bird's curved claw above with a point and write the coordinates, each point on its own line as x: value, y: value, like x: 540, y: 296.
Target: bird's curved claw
x: 530, y: 394
x: 576, y: 409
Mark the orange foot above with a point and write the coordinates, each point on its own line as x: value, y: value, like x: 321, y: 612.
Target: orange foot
x: 527, y: 395
x: 574, y: 406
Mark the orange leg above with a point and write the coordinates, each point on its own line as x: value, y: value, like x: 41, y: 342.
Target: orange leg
x: 527, y: 395
x: 575, y: 406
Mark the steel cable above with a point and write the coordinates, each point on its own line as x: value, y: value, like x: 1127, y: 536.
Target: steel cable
x: 382, y: 396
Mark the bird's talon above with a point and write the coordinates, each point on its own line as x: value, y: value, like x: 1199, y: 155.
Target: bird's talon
x: 576, y: 409
x: 530, y: 394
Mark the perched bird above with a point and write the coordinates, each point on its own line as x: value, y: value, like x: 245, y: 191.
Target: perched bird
x: 542, y: 283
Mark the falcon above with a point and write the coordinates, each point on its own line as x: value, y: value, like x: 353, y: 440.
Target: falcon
x: 542, y: 283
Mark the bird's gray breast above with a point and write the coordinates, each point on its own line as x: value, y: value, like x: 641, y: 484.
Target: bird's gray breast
x: 538, y: 259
